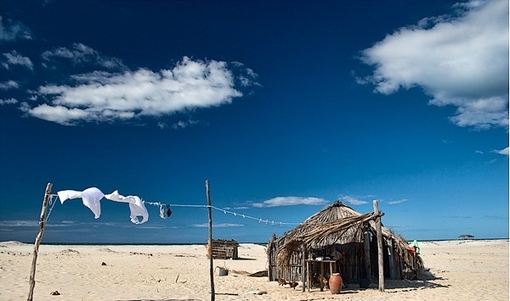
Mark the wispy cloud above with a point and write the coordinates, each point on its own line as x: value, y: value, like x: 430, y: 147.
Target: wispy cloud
x: 10, y: 84
x: 149, y: 227
x: 14, y: 58
x: 495, y: 217
x: 105, y: 97
x: 12, y: 30
x: 237, y: 208
x: 5, y: 224
x: 181, y: 124
x: 352, y: 200
x: 460, y: 216
x: 460, y: 60
x: 502, y: 151
x: 9, y: 101
x: 290, y: 201
x: 81, y: 54
x: 219, y: 225
x: 19, y: 223
x: 398, y: 202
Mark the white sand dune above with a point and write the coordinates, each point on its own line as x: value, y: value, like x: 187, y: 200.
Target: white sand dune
x: 459, y: 270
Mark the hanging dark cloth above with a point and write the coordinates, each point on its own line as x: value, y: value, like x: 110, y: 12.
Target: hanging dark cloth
x: 164, y: 211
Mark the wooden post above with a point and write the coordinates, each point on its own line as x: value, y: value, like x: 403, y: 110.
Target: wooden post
x: 303, y: 269
x: 391, y: 259
x: 270, y: 258
x: 309, y: 276
x: 368, y: 263
x: 211, y: 262
x: 380, y: 257
x: 38, y: 238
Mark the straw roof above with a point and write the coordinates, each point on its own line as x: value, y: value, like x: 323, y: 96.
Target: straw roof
x: 335, y: 224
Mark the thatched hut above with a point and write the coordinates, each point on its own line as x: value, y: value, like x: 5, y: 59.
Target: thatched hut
x: 346, y: 238
x: 466, y: 237
x: 223, y: 249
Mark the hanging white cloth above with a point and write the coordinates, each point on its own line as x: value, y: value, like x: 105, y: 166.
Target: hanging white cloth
x: 136, y: 206
x: 90, y: 197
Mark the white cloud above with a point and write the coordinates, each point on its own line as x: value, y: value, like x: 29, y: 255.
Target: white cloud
x: 82, y: 54
x: 237, y: 208
x: 460, y: 60
x: 14, y: 58
x: 460, y: 216
x: 352, y: 200
x: 502, y: 151
x: 290, y: 201
x: 184, y: 124
x: 19, y: 223
x: 9, y: 85
x: 105, y: 97
x: 398, y: 202
x: 220, y: 225
x: 9, y: 101
x: 58, y: 114
x: 10, y: 30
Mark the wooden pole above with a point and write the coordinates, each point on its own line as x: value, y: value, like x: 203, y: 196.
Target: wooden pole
x: 303, y: 270
x: 38, y: 238
x: 211, y: 262
x: 391, y: 259
x: 366, y: 245
x: 380, y: 257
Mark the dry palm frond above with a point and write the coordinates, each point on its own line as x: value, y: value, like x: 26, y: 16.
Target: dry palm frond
x: 335, y: 224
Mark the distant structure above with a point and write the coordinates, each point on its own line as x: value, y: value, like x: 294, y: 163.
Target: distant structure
x: 466, y: 237
x: 223, y: 249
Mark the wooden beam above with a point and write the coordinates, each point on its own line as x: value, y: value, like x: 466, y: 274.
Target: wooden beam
x: 38, y: 238
x: 211, y: 262
x: 380, y: 257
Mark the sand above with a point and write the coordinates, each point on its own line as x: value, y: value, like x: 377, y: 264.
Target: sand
x: 459, y: 270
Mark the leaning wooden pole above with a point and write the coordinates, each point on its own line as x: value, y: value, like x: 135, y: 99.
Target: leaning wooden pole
x: 211, y: 262
x: 380, y: 257
x: 38, y: 238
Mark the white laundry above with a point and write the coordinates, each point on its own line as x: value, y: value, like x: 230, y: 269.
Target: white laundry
x: 90, y: 197
x: 136, y: 206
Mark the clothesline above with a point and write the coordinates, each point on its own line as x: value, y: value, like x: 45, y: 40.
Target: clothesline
x: 52, y: 202
x: 138, y: 208
x: 175, y: 205
x: 260, y: 220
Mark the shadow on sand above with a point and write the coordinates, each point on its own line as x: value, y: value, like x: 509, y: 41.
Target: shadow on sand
x: 427, y: 281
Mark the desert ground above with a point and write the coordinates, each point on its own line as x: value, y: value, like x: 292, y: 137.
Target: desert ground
x: 457, y: 270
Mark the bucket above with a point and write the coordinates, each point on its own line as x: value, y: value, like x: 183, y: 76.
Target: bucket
x: 222, y: 272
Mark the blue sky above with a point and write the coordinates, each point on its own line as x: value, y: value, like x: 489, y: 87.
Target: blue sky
x: 284, y: 106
